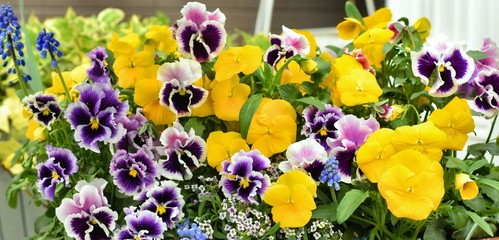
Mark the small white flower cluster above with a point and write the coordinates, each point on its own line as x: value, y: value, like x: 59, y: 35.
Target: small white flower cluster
x: 273, y: 171
x: 205, y: 226
x: 321, y: 229
x: 286, y: 233
x: 210, y: 185
x: 243, y: 221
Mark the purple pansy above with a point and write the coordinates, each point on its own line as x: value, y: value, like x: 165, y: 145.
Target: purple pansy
x: 178, y: 93
x: 286, y: 45
x: 61, y: 164
x: 307, y: 155
x: 352, y: 133
x: 132, y: 172
x: 133, y: 140
x: 44, y: 108
x: 242, y: 175
x: 98, y: 72
x: 94, y: 116
x: 443, y: 66
x: 492, y: 61
x: 166, y: 201
x: 319, y: 125
x: 200, y: 33
x: 487, y: 93
x: 181, y: 152
x: 142, y: 225
x: 87, y: 215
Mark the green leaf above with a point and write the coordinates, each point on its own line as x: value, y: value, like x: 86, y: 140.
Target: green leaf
x: 479, y: 149
x: 42, y: 222
x: 289, y: 92
x: 353, y: 12
x: 111, y: 16
x: 489, y: 182
x: 12, y: 196
x: 247, y: 111
x: 477, y: 165
x: 271, y: 231
x: 313, y: 101
x: 453, y: 162
x: 326, y: 212
x: 349, y: 204
x: 480, y: 222
x: 477, y: 55
x: 323, y: 69
x: 435, y: 230
x: 194, y: 123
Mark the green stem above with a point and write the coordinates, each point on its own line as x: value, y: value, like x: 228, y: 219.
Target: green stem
x: 333, y: 194
x: 278, y: 75
x: 382, y: 227
x: 418, y: 228
x: 61, y: 78
x: 491, y: 129
x: 24, y: 88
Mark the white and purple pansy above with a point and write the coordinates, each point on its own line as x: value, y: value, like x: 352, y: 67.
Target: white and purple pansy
x: 165, y: 200
x: 286, y: 45
x: 142, y: 225
x: 61, y: 164
x: 200, y: 33
x: 44, y: 108
x: 87, y: 215
x: 133, y: 140
x: 442, y: 66
x: 181, y: 152
x: 132, y: 172
x: 352, y: 133
x: 178, y: 93
x: 98, y: 72
x: 319, y: 125
x: 94, y: 116
x: 242, y: 175
x: 306, y: 155
x: 487, y: 93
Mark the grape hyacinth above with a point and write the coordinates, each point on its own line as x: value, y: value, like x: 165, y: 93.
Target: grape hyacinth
x: 11, y: 45
x: 188, y: 231
x: 46, y: 43
x: 330, y: 175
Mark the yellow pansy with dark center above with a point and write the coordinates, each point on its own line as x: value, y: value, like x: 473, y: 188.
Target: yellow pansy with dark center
x: 94, y: 123
x: 160, y: 209
x: 244, y: 182
x: 55, y: 175
x: 133, y: 173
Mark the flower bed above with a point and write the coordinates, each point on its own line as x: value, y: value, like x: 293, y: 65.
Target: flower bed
x: 172, y: 133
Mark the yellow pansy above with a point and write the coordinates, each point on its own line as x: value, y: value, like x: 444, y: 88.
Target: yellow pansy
x: 128, y: 68
x: 311, y: 41
x: 378, y: 19
x: 468, y: 189
x: 125, y: 45
x: 206, y: 109
x: 344, y: 65
x: 413, y: 185
x: 221, y: 146
x: 423, y: 27
x: 15, y: 168
x: 273, y: 127
x: 372, y: 42
x: 358, y: 87
x: 292, y: 199
x: 229, y: 97
x: 237, y: 59
x: 372, y: 157
x: 424, y: 138
x: 11, y: 112
x: 147, y: 96
x: 161, y: 38
x: 456, y: 121
x: 35, y: 131
x: 71, y: 79
x: 294, y: 74
x: 350, y: 28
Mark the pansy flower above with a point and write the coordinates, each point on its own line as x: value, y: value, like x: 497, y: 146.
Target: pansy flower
x: 442, y: 66
x: 228, y: 98
x: 237, y: 59
x: 87, y: 215
x: 319, y: 124
x: 242, y: 175
x: 161, y: 38
x: 61, y: 164
x: 200, y: 33
x: 178, y: 93
x: 99, y: 72
x: 487, y: 96
x: 133, y: 140
x: 372, y: 42
x: 132, y: 172
x: 372, y: 157
x: 166, y: 201
x: 286, y: 45
x: 489, y: 47
x: 129, y: 68
x: 306, y: 155
x: 44, y: 107
x: 352, y: 133
x: 358, y: 87
x: 71, y: 79
x: 221, y: 146
x: 93, y: 117
x: 181, y: 152
x: 142, y: 225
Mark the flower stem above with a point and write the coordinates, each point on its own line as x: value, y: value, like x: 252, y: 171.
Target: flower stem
x: 333, y: 194
x: 491, y: 129
x: 61, y: 78
x: 24, y: 88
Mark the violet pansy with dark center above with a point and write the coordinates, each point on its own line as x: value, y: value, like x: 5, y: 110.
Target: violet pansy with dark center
x: 132, y: 172
x: 286, y: 45
x: 98, y: 72
x: 487, y: 93
x: 142, y: 225
x: 319, y: 125
x: 165, y: 200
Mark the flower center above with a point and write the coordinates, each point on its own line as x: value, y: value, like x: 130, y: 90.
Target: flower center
x: 323, y: 131
x: 94, y: 123
x: 46, y: 112
x: 93, y: 221
x: 441, y: 68
x: 133, y: 173
x: 136, y: 238
x: 244, y: 182
x: 55, y: 175
x: 181, y: 91
x: 160, y: 209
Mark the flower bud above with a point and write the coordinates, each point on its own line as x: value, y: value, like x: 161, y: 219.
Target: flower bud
x: 309, y: 66
x: 468, y: 189
x: 391, y: 112
x: 40, y: 134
